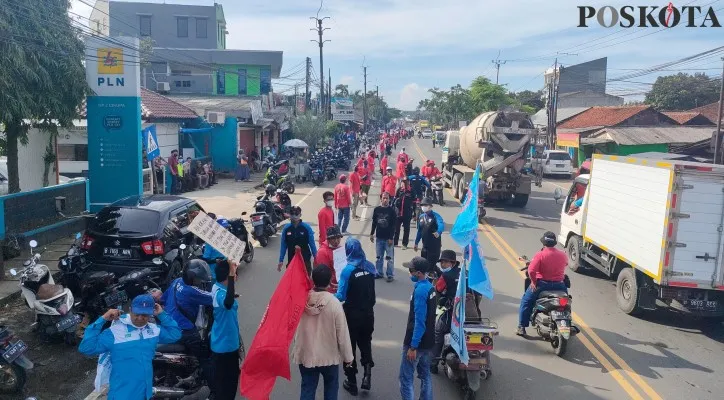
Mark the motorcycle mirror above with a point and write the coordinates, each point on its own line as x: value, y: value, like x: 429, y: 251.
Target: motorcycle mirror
x: 33, y: 244
x: 557, y: 194
x: 13, y: 272
x: 77, y: 236
x: 158, y: 260
x: 182, y: 247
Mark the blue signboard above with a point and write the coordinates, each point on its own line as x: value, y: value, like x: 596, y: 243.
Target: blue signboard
x: 151, y: 143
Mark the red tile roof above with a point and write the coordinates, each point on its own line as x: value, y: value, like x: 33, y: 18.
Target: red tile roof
x: 157, y: 106
x: 602, y: 116
x: 710, y: 111
x: 154, y: 105
x: 682, y: 117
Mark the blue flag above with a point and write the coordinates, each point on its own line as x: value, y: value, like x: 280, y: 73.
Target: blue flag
x: 457, y: 323
x: 465, y: 228
x: 479, y: 279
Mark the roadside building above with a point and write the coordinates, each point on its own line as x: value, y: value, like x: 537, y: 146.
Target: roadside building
x: 628, y: 140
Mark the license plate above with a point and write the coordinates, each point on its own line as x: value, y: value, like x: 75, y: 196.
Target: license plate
x: 14, y: 351
x: 474, y: 338
x: 701, y: 305
x: 115, y: 252
x: 115, y: 299
x: 560, y: 315
x: 559, y: 165
x: 67, y: 322
x: 257, y: 223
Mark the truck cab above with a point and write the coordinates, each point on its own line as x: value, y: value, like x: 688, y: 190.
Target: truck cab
x: 572, y: 218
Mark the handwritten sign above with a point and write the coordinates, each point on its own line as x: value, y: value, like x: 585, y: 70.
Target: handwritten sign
x: 340, y: 261
x: 217, y: 236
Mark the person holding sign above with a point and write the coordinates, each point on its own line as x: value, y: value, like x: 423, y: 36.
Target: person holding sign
x: 225, y: 333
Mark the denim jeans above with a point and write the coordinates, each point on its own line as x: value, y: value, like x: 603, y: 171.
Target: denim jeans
x: 310, y: 380
x: 407, y: 375
x: 530, y: 296
x: 343, y: 218
x: 385, y: 251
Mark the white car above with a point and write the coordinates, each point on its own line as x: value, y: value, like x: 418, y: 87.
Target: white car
x: 427, y: 134
x: 557, y: 162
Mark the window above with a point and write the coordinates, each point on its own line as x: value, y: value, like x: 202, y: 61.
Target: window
x: 221, y: 82
x: 264, y: 81
x: 177, y: 83
x: 182, y: 27
x: 72, y: 152
x: 202, y: 28
x: 559, y: 156
x: 145, y: 25
x: 186, y: 83
x: 115, y: 220
x: 242, y: 81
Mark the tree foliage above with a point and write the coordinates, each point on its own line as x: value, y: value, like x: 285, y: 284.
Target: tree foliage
x: 683, y: 91
x: 42, y: 77
x: 310, y: 128
x: 341, y: 91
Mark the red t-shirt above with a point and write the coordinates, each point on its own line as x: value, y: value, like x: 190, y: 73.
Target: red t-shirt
x: 401, y: 170
x: 326, y: 220
x: 549, y: 265
x: 342, y: 196
x: 383, y: 164
x: 388, y: 185
x: 354, y: 183
x: 325, y: 256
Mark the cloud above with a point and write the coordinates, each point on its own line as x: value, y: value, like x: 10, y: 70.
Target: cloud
x: 409, y: 97
x: 347, y: 80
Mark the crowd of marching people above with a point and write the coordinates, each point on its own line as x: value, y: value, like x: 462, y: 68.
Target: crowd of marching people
x: 336, y: 326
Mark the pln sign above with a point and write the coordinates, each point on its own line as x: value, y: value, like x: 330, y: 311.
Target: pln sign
x: 113, y: 71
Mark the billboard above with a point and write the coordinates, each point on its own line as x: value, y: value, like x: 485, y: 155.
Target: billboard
x: 342, y: 109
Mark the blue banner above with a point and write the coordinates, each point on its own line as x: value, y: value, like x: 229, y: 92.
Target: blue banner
x: 457, y: 324
x: 465, y: 228
x: 479, y: 279
x: 151, y: 143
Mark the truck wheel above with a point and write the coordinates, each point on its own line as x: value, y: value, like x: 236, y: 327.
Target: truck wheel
x: 520, y: 200
x: 573, y: 249
x: 627, y: 292
x: 455, y: 179
x: 462, y: 189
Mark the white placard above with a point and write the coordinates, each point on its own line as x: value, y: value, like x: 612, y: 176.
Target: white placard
x: 340, y: 261
x: 217, y: 236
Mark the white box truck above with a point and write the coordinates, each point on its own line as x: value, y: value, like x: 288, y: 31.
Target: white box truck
x: 654, y: 225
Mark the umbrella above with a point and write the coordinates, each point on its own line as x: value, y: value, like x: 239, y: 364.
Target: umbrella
x: 295, y: 144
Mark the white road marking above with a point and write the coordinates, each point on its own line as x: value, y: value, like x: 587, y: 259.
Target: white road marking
x: 299, y: 203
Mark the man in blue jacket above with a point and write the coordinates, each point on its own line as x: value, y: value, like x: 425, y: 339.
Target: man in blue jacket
x: 429, y: 229
x: 420, y: 333
x: 297, y: 233
x: 357, y: 290
x: 131, y: 341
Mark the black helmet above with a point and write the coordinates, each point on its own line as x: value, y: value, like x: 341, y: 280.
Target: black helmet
x: 426, y: 202
x: 416, y: 171
x: 270, y: 189
x: 197, y: 273
x: 449, y: 255
x: 295, y: 210
x: 549, y: 239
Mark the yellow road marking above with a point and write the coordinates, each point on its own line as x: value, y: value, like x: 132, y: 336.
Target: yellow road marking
x: 511, y: 256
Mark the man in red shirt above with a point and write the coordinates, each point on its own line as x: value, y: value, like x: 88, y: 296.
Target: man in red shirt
x: 383, y: 164
x: 325, y: 217
x: 401, y: 170
x: 402, y: 156
x: 365, y: 183
x: 355, y: 188
x: 430, y: 170
x: 371, y: 163
x: 173, y: 166
x: 547, y: 271
x: 325, y: 254
x: 343, y: 201
x: 389, y: 183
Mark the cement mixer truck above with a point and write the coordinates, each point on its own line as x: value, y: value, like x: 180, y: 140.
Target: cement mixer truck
x: 499, y: 141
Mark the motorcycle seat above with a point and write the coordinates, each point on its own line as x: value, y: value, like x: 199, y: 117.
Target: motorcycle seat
x: 171, y: 348
x: 552, y: 293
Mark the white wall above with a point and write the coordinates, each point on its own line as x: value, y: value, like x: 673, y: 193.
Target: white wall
x: 167, y: 135
x: 30, y: 161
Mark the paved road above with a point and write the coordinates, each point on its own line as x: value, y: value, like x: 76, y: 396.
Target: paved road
x: 616, y: 357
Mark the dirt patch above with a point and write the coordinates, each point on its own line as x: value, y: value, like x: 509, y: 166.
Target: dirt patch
x: 59, y: 368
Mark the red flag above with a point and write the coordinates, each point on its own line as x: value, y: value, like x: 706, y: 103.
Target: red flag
x: 268, y: 355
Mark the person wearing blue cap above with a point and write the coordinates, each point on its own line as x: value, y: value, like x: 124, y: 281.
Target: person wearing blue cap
x: 131, y: 341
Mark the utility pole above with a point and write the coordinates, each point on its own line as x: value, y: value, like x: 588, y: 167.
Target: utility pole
x: 364, y: 102
x: 498, y: 62
x: 320, y: 31
x: 329, y: 92
x: 717, y: 148
x: 307, y: 95
x: 296, y: 93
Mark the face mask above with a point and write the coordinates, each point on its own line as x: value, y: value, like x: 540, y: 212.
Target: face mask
x: 426, y: 208
x: 414, y: 278
x: 295, y: 218
x: 329, y: 203
x: 446, y: 269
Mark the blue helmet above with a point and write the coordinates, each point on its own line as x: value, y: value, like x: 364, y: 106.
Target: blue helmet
x: 224, y: 222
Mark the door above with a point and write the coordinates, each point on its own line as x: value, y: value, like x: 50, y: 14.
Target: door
x: 572, y: 216
x: 698, y: 255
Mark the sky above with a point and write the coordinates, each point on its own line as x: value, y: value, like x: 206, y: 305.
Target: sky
x: 410, y: 46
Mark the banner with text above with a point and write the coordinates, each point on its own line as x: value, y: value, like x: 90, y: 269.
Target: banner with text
x: 217, y: 236
x: 342, y: 109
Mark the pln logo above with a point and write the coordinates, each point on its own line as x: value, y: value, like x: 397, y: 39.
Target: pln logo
x: 665, y: 16
x: 110, y: 61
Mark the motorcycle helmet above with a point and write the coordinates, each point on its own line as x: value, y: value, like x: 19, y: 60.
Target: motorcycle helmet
x: 549, y: 239
x: 260, y: 206
x: 197, y: 273
x: 426, y: 202
x: 295, y: 212
x: 416, y: 171
x: 224, y: 222
x: 270, y: 189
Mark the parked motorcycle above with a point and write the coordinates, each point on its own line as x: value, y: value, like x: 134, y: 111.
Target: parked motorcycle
x: 552, y: 314
x: 51, y: 303
x: 13, y: 362
x: 330, y: 172
x: 436, y: 189
x: 479, y: 334
x: 261, y: 224
x: 280, y: 181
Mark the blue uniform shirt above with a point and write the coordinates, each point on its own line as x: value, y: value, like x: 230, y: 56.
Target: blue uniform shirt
x: 189, y: 298
x: 132, y: 350
x: 419, y: 299
x: 440, y: 225
x: 211, y: 253
x: 225, y: 330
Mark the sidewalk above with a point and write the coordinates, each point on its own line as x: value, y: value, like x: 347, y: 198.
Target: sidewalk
x: 50, y: 253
